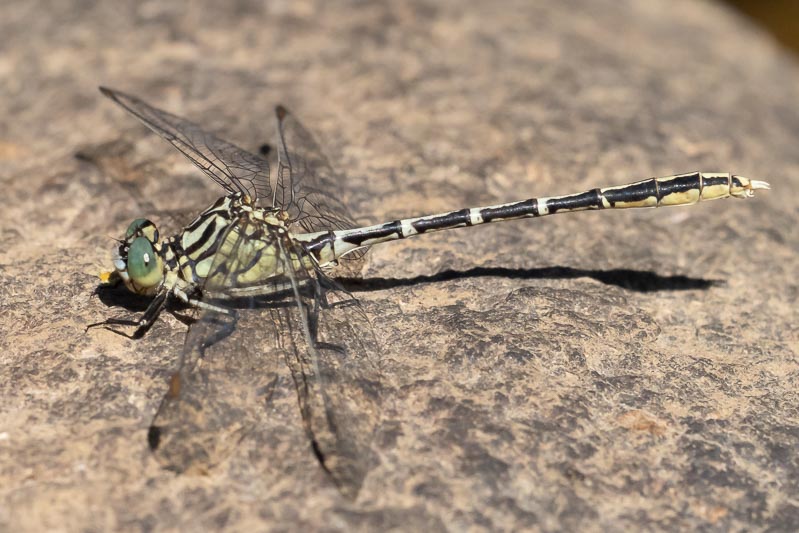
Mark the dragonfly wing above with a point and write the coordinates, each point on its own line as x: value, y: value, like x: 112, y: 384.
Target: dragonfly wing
x: 306, y: 184
x: 333, y: 360
x: 234, y: 168
x: 226, y: 373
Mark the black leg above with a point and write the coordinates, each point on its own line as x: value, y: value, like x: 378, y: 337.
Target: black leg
x: 142, y: 324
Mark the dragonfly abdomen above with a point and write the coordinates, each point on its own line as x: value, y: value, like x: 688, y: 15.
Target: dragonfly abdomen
x: 682, y: 189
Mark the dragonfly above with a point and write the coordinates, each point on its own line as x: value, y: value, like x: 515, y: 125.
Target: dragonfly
x: 259, y: 260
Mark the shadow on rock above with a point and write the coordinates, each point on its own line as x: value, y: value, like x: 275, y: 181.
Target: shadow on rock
x: 633, y: 280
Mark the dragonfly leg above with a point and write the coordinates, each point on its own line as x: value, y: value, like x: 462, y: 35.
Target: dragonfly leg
x: 324, y: 286
x: 142, y: 324
x: 183, y: 297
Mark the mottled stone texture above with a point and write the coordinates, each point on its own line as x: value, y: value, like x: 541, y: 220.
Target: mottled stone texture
x: 594, y: 371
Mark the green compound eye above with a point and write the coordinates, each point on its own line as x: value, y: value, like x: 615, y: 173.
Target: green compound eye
x: 143, y: 263
x: 135, y: 226
x: 142, y: 226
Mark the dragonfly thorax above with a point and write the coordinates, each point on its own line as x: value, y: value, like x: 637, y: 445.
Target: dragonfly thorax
x: 250, y: 239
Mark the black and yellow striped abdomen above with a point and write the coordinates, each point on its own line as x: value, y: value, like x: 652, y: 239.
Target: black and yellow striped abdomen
x: 682, y: 189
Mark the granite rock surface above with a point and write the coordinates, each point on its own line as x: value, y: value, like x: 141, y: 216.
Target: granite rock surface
x: 592, y: 371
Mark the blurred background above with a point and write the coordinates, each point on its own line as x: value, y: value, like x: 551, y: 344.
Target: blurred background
x: 779, y: 17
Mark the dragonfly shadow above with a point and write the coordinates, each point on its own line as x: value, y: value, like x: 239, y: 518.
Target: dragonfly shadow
x: 119, y: 296
x: 628, y: 279
x: 632, y: 280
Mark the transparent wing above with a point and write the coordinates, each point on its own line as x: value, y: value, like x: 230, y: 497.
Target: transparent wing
x: 333, y: 359
x: 227, y: 369
x: 235, y: 169
x: 112, y: 159
x: 306, y: 185
x: 228, y: 364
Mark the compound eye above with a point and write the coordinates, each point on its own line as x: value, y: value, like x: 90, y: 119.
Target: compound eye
x: 143, y: 265
x: 142, y: 226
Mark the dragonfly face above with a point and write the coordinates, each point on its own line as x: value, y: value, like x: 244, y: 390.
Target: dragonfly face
x: 138, y: 262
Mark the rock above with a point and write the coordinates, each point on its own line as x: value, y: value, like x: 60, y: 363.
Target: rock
x: 616, y: 370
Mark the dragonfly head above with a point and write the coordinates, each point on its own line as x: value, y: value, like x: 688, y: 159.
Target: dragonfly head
x: 137, y: 262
